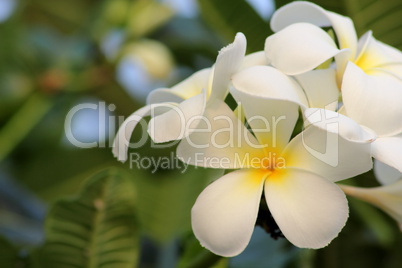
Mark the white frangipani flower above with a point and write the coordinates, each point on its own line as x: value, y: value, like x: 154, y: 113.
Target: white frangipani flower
x: 300, y: 45
x: 315, y: 46
x: 173, y: 108
x: 369, y: 71
x: 299, y: 188
x: 375, y: 101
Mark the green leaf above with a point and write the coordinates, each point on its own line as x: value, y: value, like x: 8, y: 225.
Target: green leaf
x: 383, y: 17
x: 97, y: 228
x: 166, y: 199
x: 228, y: 17
x: 8, y: 254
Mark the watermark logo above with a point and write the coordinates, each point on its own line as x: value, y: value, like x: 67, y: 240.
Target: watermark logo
x: 326, y: 120
x: 222, y: 132
x: 269, y: 161
x: 154, y: 163
x: 103, y: 118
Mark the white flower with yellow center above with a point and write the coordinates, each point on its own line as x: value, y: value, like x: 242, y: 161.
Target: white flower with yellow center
x: 297, y: 177
x: 369, y: 71
x: 173, y: 108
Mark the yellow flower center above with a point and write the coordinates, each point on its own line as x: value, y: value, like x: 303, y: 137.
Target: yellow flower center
x: 273, y: 161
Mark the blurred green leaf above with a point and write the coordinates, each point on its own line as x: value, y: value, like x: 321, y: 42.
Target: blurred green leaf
x: 383, y: 17
x: 50, y: 190
x: 114, y: 13
x: 8, y: 254
x: 146, y: 16
x: 22, y: 122
x: 98, y: 228
x: 67, y: 16
x: 137, y: 18
x: 166, y: 198
x: 374, y: 220
x: 195, y: 256
x: 228, y: 17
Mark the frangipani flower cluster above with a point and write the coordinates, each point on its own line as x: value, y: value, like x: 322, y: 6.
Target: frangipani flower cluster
x: 300, y: 75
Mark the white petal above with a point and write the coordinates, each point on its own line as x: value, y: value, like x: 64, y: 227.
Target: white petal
x: 161, y: 95
x: 272, y: 121
x: 395, y: 54
x: 338, y: 124
x: 392, y: 68
x: 387, y: 198
x: 342, y: 111
x: 333, y: 146
x: 309, y: 210
x: 239, y: 112
x: 386, y: 174
x: 345, y: 31
x: 299, y: 48
x: 364, y: 40
x: 253, y: 59
x: 268, y: 82
x: 224, y: 215
x: 341, y: 61
x: 220, y: 141
x: 186, y: 89
x: 228, y: 62
x: 271, y: 101
x: 393, y: 59
x: 374, y: 54
x: 122, y: 140
x: 178, y: 122
x: 311, y: 13
x: 389, y: 151
x: 373, y: 100
x: 321, y: 88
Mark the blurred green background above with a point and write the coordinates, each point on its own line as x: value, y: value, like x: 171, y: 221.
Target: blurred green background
x: 64, y: 206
